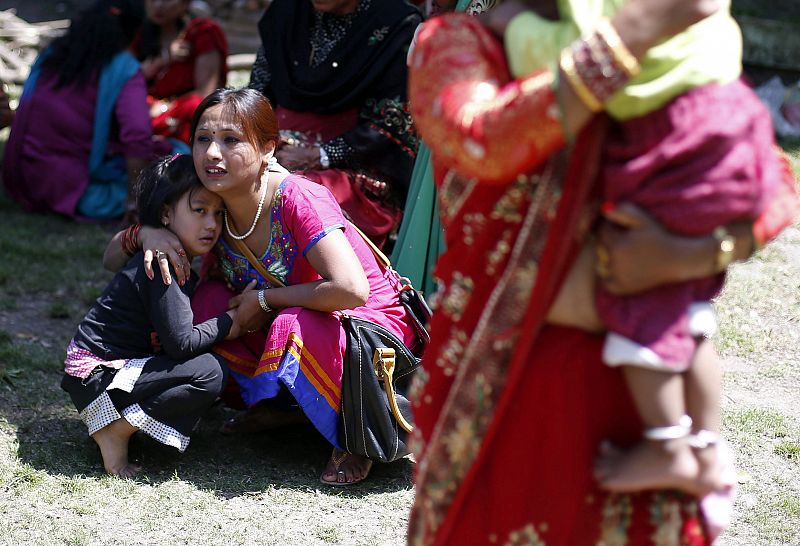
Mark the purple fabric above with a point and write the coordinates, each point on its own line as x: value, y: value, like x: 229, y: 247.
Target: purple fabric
x: 46, y: 166
x: 135, y: 138
x: 704, y: 160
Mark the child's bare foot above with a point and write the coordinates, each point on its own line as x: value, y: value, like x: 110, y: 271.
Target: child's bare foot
x: 113, y: 442
x: 710, y: 476
x: 652, y: 464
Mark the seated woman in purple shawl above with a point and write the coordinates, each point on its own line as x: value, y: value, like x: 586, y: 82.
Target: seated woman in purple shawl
x: 82, y: 131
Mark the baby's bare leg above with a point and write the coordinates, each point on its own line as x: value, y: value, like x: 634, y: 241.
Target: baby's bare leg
x: 703, y: 391
x: 657, y: 395
x: 654, y: 463
x: 703, y: 388
x: 113, y: 442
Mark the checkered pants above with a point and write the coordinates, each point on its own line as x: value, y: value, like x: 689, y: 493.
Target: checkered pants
x: 164, y: 398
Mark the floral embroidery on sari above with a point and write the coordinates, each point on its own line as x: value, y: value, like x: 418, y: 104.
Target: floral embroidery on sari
x: 392, y: 118
x: 526, y: 536
x: 509, y: 206
x: 479, y: 387
x: 278, y: 258
x: 453, y: 192
x: 665, y: 515
x: 498, y: 254
x: 474, y: 224
x: 457, y: 296
x: 617, y: 515
x: 450, y: 357
x: 675, y: 521
x: 462, y: 441
x: 282, y: 247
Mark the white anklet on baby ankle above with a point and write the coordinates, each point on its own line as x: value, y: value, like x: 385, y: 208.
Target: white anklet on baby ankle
x: 703, y: 439
x: 674, y: 432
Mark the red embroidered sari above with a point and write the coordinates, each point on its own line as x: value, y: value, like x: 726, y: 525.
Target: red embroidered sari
x: 510, y: 411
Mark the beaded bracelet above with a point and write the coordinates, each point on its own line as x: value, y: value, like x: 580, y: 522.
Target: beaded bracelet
x: 597, y: 69
x: 619, y: 50
x: 598, y: 66
x: 584, y: 93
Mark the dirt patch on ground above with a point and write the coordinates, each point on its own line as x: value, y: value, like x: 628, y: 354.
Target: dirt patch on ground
x: 30, y: 321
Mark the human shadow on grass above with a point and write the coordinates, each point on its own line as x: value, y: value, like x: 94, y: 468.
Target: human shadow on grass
x: 229, y: 466
x: 51, y: 437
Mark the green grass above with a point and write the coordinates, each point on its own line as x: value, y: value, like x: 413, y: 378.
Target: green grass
x: 58, y: 310
x: 264, y: 489
x: 759, y: 423
x: 768, y: 501
x: 790, y: 505
x: 261, y: 489
x: 789, y: 450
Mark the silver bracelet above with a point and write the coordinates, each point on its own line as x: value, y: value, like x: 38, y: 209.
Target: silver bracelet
x: 703, y: 439
x: 262, y: 301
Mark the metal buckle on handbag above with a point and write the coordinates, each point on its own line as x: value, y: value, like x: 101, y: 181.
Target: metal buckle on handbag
x: 383, y: 363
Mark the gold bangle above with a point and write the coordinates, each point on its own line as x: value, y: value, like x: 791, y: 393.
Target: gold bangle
x: 567, y: 65
x: 726, y: 247
x: 621, y: 53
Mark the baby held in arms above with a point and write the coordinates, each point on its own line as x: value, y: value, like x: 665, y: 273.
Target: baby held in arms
x: 691, y: 145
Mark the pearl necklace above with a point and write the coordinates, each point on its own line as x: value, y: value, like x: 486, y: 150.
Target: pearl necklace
x: 250, y: 231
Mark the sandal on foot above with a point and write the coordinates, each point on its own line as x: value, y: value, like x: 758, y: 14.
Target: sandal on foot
x: 338, y: 458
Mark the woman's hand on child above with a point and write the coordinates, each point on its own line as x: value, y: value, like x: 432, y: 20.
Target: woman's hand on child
x: 575, y: 304
x: 164, y: 246
x: 635, y: 253
x: 249, y: 315
x: 643, y: 23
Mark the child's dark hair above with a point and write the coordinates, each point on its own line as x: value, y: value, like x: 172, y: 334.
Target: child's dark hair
x: 163, y: 183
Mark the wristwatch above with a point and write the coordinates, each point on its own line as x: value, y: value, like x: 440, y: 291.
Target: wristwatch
x: 324, y: 160
x: 726, y: 246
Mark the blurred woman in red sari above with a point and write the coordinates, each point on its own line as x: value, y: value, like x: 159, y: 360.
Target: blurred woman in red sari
x: 184, y: 59
x: 512, y: 410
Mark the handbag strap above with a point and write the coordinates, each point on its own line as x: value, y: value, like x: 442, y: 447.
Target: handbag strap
x: 255, y: 262
x: 380, y: 256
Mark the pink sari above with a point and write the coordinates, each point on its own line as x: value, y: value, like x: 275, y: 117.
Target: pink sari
x: 301, y: 350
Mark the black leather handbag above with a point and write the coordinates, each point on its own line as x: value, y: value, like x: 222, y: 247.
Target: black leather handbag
x: 375, y: 416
